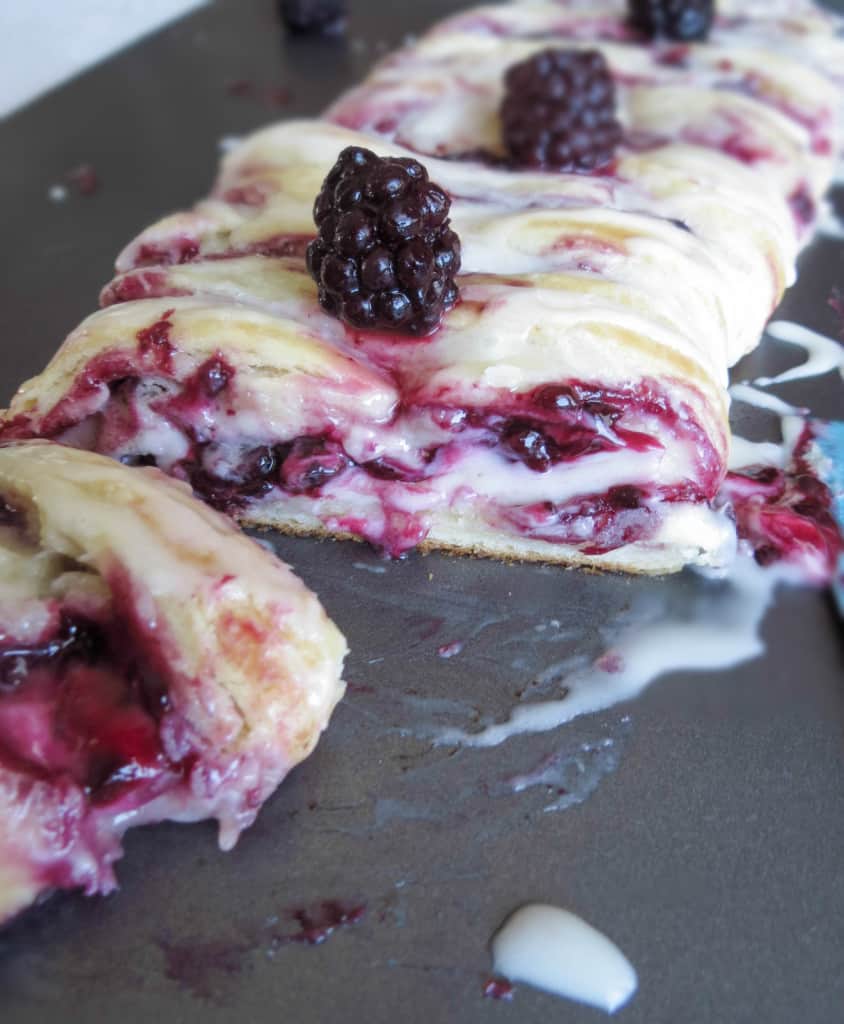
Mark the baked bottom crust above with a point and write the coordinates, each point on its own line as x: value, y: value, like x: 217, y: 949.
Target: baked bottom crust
x: 467, y: 536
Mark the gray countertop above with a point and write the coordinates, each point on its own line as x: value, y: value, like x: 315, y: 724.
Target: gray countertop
x: 708, y: 840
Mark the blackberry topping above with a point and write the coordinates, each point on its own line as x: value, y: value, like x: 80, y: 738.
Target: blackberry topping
x: 385, y: 256
x: 559, y: 111
x: 683, y: 20
x: 327, y: 16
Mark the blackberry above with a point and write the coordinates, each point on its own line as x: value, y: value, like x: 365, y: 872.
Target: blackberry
x: 559, y: 111
x: 385, y: 256
x: 683, y: 20
x: 328, y: 16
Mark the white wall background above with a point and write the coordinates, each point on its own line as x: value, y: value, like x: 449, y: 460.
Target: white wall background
x: 45, y: 42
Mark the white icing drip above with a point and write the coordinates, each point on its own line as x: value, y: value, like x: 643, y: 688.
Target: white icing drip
x: 753, y: 396
x: 720, y: 631
x: 557, y: 951
x: 752, y: 453
x: 823, y: 354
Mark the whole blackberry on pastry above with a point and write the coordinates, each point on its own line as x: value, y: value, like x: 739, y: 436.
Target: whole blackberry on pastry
x: 681, y: 20
x: 558, y: 111
x: 385, y: 256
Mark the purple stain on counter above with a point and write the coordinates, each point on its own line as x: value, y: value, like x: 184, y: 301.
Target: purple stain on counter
x: 84, y: 179
x: 317, y: 923
x: 197, y: 966
x: 359, y: 688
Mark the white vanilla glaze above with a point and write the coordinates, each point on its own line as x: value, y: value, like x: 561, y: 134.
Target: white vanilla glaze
x: 762, y: 400
x: 745, y: 453
x: 723, y: 631
x: 823, y: 355
x: 554, y: 950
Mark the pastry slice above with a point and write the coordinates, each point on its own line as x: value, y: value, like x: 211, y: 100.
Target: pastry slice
x: 568, y: 407
x: 563, y: 396
x: 155, y: 664
x: 764, y: 89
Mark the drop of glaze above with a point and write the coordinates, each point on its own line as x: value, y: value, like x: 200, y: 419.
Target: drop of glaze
x: 555, y: 950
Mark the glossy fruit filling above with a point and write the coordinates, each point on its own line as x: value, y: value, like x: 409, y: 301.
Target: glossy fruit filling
x: 427, y: 456
x: 786, y: 515
x: 76, y: 706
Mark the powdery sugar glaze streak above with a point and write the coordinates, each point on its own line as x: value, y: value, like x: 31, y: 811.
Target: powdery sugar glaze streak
x: 555, y: 950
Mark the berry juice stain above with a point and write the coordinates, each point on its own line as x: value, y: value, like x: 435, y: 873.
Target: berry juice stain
x: 198, y: 966
x: 319, y: 922
x: 201, y: 967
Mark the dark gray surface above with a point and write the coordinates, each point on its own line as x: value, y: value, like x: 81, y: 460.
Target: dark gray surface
x: 711, y: 853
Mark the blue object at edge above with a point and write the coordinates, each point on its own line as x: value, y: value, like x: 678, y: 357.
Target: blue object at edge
x: 829, y: 439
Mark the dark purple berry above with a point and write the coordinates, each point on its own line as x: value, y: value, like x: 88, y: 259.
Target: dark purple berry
x: 76, y: 639
x: 531, y: 446
x: 257, y: 470
x: 213, y: 376
x: 142, y: 459
x: 311, y: 462
x: 385, y: 256
x: 11, y: 515
x: 328, y: 16
x: 559, y: 111
x: 683, y: 20
x: 377, y: 272
x: 624, y: 496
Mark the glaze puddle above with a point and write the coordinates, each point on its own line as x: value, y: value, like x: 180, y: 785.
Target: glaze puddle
x: 554, y: 950
x: 570, y: 776
x: 716, y: 628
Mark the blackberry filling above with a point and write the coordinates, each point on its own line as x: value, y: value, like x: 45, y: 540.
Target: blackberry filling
x: 76, y: 638
x: 301, y: 466
x: 786, y: 515
x: 75, y: 705
x: 595, y: 523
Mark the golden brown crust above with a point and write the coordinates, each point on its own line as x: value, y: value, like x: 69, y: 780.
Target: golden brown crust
x: 560, y: 555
